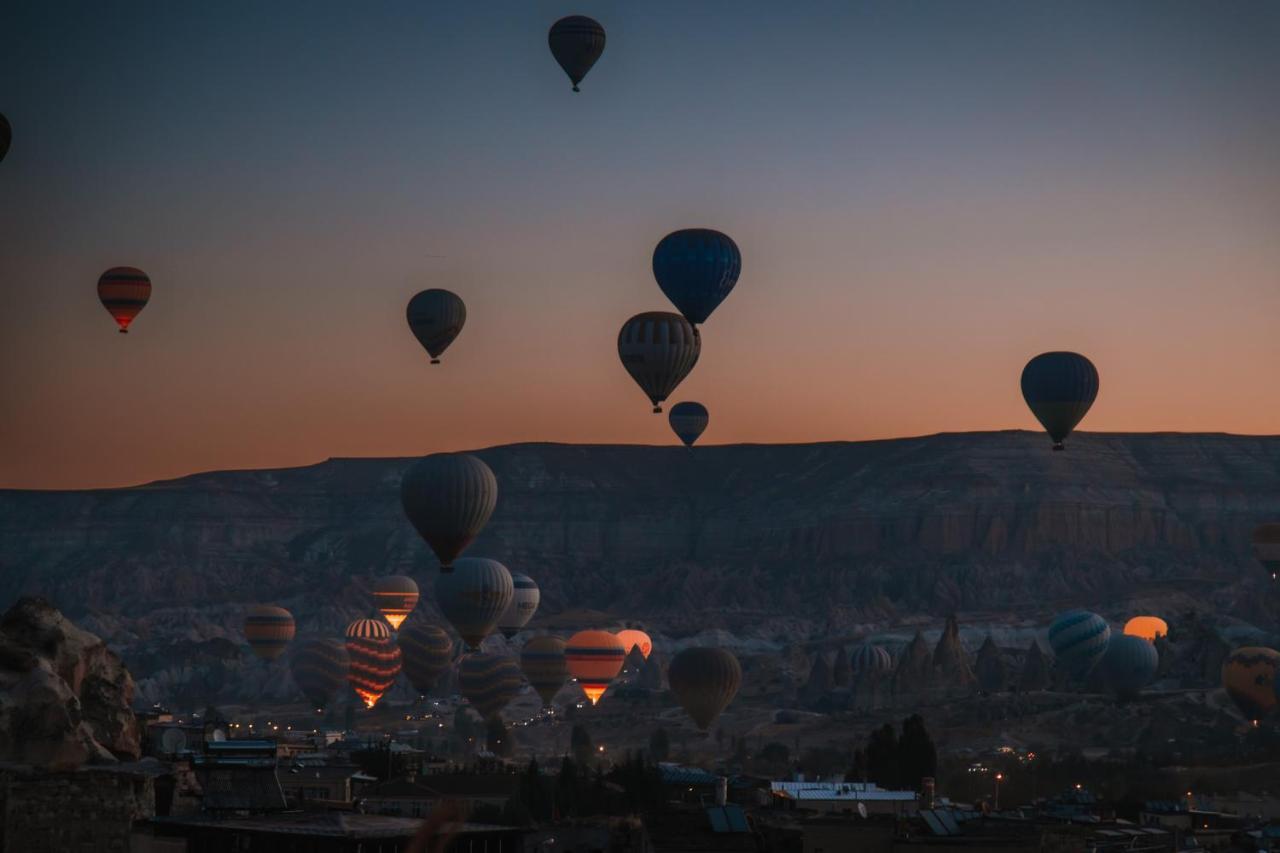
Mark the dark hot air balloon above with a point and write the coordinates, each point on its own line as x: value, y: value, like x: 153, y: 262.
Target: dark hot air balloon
x: 124, y: 292
x: 594, y: 658
x: 6, y: 136
x: 395, y: 596
x: 448, y: 497
x: 1130, y: 663
x: 1059, y: 387
x: 688, y: 420
x: 473, y: 596
x: 1250, y: 675
x: 375, y: 659
x: 1079, y: 640
x: 425, y: 652
x: 435, y: 318
x: 696, y: 268
x: 870, y: 661
x: 576, y: 43
x: 489, y: 682
x: 524, y: 603
x: 1266, y: 546
x: 704, y: 681
x: 319, y: 668
x: 543, y: 663
x: 658, y: 349
x: 268, y: 629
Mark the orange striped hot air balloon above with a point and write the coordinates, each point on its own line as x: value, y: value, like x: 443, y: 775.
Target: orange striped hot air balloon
x: 595, y: 658
x: 631, y: 638
x: 124, y: 292
x: 268, y: 629
x: 375, y: 659
x: 1147, y: 627
x: 395, y: 596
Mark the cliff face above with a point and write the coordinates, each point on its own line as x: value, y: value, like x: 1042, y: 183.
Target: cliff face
x: 769, y: 542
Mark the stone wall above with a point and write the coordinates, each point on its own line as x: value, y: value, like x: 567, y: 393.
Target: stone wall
x: 83, y: 811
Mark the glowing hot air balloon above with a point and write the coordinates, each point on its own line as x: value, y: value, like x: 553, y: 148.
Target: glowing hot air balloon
x: 688, y: 420
x: 436, y: 318
x: 375, y: 659
x: 658, y: 349
x: 1147, y: 627
x: 576, y: 42
x: 633, y: 638
x: 319, y: 668
x: 489, y: 682
x: 524, y: 603
x: 543, y: 662
x: 124, y: 292
x: 594, y: 658
x: 1059, y: 387
x: 704, y: 681
x: 426, y: 653
x: 473, y: 596
x: 268, y: 629
x: 696, y: 269
x: 1250, y: 676
x: 395, y: 596
x: 448, y: 497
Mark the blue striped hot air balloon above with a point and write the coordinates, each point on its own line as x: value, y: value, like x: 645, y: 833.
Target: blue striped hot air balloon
x: 1128, y: 665
x: 1079, y: 640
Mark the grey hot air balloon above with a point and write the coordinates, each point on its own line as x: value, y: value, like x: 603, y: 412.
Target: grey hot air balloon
x: 658, y: 349
x: 473, y: 596
x: 319, y: 668
x: 524, y: 603
x: 543, y: 662
x: 1128, y: 665
x: 448, y: 497
x: 1059, y: 387
x: 489, y: 682
x: 576, y: 42
x: 436, y: 317
x: 426, y: 653
x: 704, y: 681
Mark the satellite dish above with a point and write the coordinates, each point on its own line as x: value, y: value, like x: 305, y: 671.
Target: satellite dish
x: 218, y: 735
x: 173, y: 741
x: 862, y: 809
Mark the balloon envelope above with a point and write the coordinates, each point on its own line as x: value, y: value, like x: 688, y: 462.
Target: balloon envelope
x: 473, y: 596
x: 658, y: 349
x: 395, y: 596
x: 594, y: 658
x: 1250, y: 676
x: 375, y: 659
x: 633, y: 638
x: 448, y: 497
x: 1079, y: 640
x: 696, y: 268
x: 576, y: 42
x: 704, y: 681
x: 524, y: 603
x: 1059, y: 387
x: 124, y: 292
x: 870, y: 660
x: 543, y: 662
x: 6, y: 136
x: 426, y: 651
x: 436, y: 317
x: 1266, y: 546
x: 1130, y: 663
x: 319, y: 668
x: 268, y: 629
x: 489, y: 682
x: 688, y: 420
x: 1147, y: 627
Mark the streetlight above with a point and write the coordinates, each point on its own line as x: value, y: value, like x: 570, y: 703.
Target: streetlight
x: 999, y: 779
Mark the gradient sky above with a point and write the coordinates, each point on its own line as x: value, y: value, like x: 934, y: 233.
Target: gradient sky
x: 926, y: 194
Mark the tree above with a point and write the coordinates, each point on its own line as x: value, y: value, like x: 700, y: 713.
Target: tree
x: 882, y: 756
x: 775, y: 753
x: 857, y: 771
x: 580, y: 744
x: 497, y: 738
x: 659, y: 744
x: 917, y: 755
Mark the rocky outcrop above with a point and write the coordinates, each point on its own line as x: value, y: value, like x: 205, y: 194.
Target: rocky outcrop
x: 951, y: 670
x: 990, y: 669
x: 653, y: 673
x: 841, y: 671
x: 914, y: 673
x: 819, y: 681
x: 65, y: 698
x: 1036, y: 671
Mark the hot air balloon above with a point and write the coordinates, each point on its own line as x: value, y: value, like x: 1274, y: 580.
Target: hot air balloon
x: 696, y: 268
x: 1147, y: 627
x: 868, y: 661
x: 658, y: 349
x: 543, y: 662
x: 524, y: 603
x: 268, y: 629
x: 688, y: 420
x: 426, y: 653
x: 395, y: 596
x: 6, y: 136
x: 473, y: 596
x: 489, y: 682
x: 1266, y: 546
x: 1079, y: 640
x: 1059, y: 387
x: 576, y: 43
x: 595, y: 659
x: 124, y: 292
x: 704, y: 681
x: 436, y: 317
x: 375, y: 659
x: 319, y: 668
x: 1128, y: 665
x: 633, y: 638
x: 1250, y: 676
x: 448, y: 497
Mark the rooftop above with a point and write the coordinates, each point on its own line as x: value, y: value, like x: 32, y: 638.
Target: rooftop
x: 850, y: 791
x: 323, y: 824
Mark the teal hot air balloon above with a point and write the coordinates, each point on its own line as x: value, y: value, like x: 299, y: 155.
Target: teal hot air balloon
x: 658, y: 349
x: 688, y: 420
x: 1079, y: 640
x: 524, y: 603
x: 426, y: 653
x: 696, y: 269
x: 543, y: 662
x: 1059, y: 387
x: 1129, y: 664
x: 489, y: 682
x: 436, y: 318
x: 448, y: 497
x: 474, y: 596
x: 319, y: 668
x: 576, y: 42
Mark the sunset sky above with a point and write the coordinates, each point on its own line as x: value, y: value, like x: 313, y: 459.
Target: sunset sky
x: 926, y: 194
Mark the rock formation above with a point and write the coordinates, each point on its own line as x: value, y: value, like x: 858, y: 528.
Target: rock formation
x: 990, y: 668
x: 653, y: 674
x: 65, y: 698
x: 819, y: 682
x: 914, y: 673
x: 951, y: 670
x: 841, y: 671
x: 1035, y: 673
